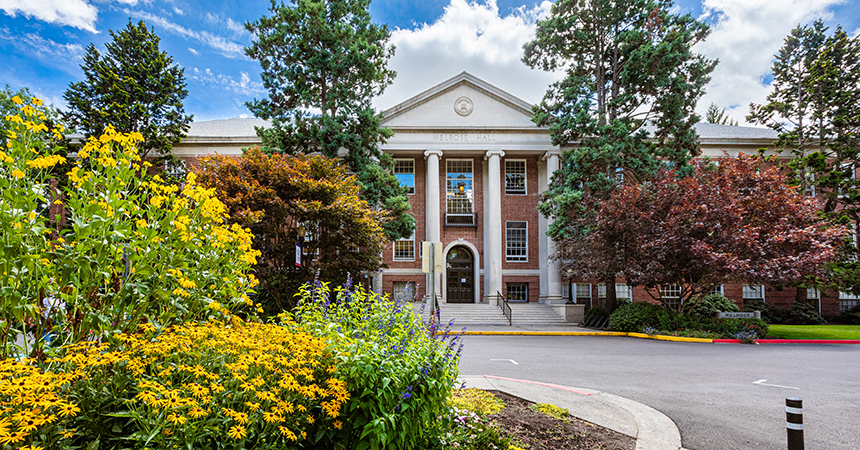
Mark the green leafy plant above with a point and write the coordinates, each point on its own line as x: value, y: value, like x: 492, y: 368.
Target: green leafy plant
x: 398, y: 371
x: 707, y: 306
x: 552, y: 411
x: 478, y: 401
x: 635, y: 316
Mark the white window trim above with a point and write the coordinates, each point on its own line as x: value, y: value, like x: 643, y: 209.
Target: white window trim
x: 762, y: 298
x: 394, y: 249
x: 525, y: 176
x: 527, y: 242
x: 721, y: 289
x: 576, y: 291
x: 413, y: 172
x: 472, y: 163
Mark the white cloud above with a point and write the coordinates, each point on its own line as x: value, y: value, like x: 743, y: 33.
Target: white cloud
x: 66, y: 57
x: 243, y: 85
x: 236, y: 27
x: 470, y: 37
x: 178, y: 11
x: 74, y: 13
x: 195, y: 52
x: 745, y: 36
x: 224, y: 46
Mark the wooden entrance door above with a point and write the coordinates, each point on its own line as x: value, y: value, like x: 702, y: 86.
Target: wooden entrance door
x: 461, y: 274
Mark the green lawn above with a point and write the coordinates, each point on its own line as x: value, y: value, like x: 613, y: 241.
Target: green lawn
x: 815, y: 331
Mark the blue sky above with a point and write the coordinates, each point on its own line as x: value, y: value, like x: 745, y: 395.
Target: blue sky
x: 43, y: 43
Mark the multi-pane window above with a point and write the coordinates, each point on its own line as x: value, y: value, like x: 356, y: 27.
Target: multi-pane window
x: 176, y: 168
x: 404, y: 291
x: 848, y: 301
x: 404, y: 249
x: 809, y: 177
x: 515, y: 177
x: 404, y: 170
x: 718, y: 290
x: 670, y: 294
x: 459, y: 190
x: 754, y: 292
x: 518, y: 292
x: 516, y: 240
x: 583, y: 293
x: 621, y: 291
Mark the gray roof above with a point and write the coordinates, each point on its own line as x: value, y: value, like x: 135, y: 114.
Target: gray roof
x: 717, y: 131
x: 245, y: 128
x: 227, y: 127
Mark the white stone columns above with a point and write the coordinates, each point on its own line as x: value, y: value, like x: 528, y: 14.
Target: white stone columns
x: 493, y: 197
x: 554, y: 278
x: 432, y: 214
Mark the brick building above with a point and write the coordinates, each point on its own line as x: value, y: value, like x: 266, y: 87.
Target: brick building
x: 475, y: 165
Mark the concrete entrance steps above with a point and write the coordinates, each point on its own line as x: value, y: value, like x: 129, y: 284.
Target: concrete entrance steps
x: 465, y: 314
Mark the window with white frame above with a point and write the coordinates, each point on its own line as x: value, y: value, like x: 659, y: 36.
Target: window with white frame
x: 809, y: 178
x: 404, y: 170
x: 583, y: 292
x: 404, y: 291
x: 404, y: 249
x: 718, y: 290
x: 813, y: 294
x: 670, y: 294
x: 459, y: 192
x: 176, y: 168
x: 516, y: 241
x: 849, y: 171
x: 753, y: 292
x: 515, y: 177
x: 518, y: 292
x: 848, y: 301
x: 621, y: 291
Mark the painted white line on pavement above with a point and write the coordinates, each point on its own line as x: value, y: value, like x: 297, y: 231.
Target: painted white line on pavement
x: 511, y: 360
x: 762, y: 383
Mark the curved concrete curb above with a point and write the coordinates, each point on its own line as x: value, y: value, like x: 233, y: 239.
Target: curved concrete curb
x: 652, y: 429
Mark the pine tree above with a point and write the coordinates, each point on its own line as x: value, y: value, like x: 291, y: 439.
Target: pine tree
x: 716, y: 115
x: 323, y: 62
x: 626, y: 103
x: 134, y: 86
x: 815, y: 109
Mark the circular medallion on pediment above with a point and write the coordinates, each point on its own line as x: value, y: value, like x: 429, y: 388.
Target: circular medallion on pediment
x: 464, y: 106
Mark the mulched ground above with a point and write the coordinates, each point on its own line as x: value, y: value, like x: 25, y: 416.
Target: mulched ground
x: 535, y: 431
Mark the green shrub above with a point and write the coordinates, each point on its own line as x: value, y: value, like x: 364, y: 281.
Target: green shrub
x: 849, y: 317
x: 804, y: 314
x: 729, y: 328
x: 633, y: 317
x: 707, y: 307
x: 551, y: 410
x: 478, y: 401
x: 769, y: 313
x: 398, y: 372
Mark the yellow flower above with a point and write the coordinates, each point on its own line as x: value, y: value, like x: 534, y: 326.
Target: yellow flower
x: 338, y: 424
x: 237, y: 432
x: 11, y: 438
x: 178, y: 420
x: 69, y: 409
x: 17, y: 100
x: 17, y: 174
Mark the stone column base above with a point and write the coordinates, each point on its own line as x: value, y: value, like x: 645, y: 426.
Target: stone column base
x: 572, y: 313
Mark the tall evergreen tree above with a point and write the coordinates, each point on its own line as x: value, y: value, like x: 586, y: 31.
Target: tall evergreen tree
x: 323, y: 62
x: 625, y: 105
x: 815, y: 109
x: 134, y: 86
x: 716, y: 115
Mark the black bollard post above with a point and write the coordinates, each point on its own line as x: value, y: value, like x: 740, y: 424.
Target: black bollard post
x: 794, y: 423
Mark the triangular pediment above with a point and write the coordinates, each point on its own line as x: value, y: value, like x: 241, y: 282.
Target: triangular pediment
x: 463, y: 101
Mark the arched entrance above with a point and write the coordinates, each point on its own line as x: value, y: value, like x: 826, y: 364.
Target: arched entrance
x: 460, y: 275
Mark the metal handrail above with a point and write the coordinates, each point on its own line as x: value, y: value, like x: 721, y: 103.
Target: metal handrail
x: 502, y: 303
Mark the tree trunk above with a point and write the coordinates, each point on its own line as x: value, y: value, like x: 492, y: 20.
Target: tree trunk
x: 611, y: 300
x: 800, y: 296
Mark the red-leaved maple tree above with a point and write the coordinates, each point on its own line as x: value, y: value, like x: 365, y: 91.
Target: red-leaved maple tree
x: 734, y: 221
